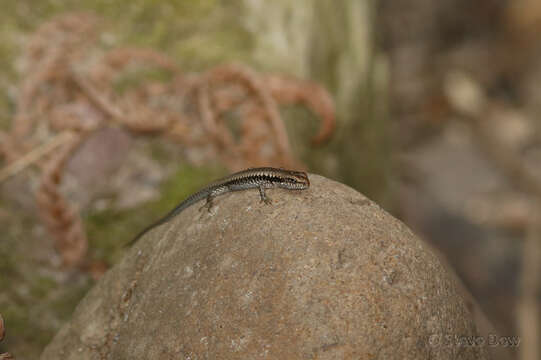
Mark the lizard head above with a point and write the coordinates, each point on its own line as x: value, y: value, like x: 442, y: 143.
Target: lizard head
x: 296, y: 180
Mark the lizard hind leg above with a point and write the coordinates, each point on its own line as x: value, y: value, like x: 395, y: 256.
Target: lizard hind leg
x: 209, y: 203
x: 263, y: 195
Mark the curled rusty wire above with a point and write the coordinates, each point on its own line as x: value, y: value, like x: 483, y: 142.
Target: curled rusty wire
x: 68, y: 90
x: 61, y: 219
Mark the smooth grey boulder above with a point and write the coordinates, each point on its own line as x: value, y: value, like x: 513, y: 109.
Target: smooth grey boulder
x: 319, y: 274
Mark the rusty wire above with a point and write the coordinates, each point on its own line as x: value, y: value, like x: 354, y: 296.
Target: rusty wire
x: 69, y: 88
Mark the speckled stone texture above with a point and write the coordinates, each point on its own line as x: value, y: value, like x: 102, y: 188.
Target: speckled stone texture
x: 319, y: 274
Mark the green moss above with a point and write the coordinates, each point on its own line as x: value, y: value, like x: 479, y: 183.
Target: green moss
x: 19, y: 323
x: 25, y: 336
x: 107, y: 231
x: 7, y: 264
x: 15, y: 318
x: 25, y: 295
x: 40, y: 286
x: 161, y: 152
x: 63, y: 306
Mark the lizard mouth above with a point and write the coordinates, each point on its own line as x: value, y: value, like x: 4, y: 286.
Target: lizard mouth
x: 303, y: 182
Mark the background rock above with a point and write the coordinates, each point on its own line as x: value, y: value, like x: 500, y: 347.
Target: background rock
x: 323, y: 273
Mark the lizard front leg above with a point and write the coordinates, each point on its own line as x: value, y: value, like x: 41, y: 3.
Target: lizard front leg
x: 263, y: 195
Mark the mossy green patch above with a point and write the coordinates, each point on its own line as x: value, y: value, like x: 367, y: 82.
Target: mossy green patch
x: 161, y: 152
x: 22, y: 329
x: 63, y: 306
x: 27, y: 329
x: 7, y: 263
x: 40, y: 286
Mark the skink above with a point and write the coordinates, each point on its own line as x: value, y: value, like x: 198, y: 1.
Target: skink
x: 256, y: 178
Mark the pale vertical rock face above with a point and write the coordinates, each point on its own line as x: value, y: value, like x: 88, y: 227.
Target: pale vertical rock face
x: 282, y: 32
x: 306, y: 37
x: 322, y: 273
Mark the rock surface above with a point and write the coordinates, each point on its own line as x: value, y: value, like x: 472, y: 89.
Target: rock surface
x: 323, y: 273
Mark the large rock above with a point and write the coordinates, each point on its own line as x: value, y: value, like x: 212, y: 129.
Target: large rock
x: 323, y: 273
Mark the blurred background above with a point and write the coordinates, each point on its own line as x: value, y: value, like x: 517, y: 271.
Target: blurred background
x: 112, y: 112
